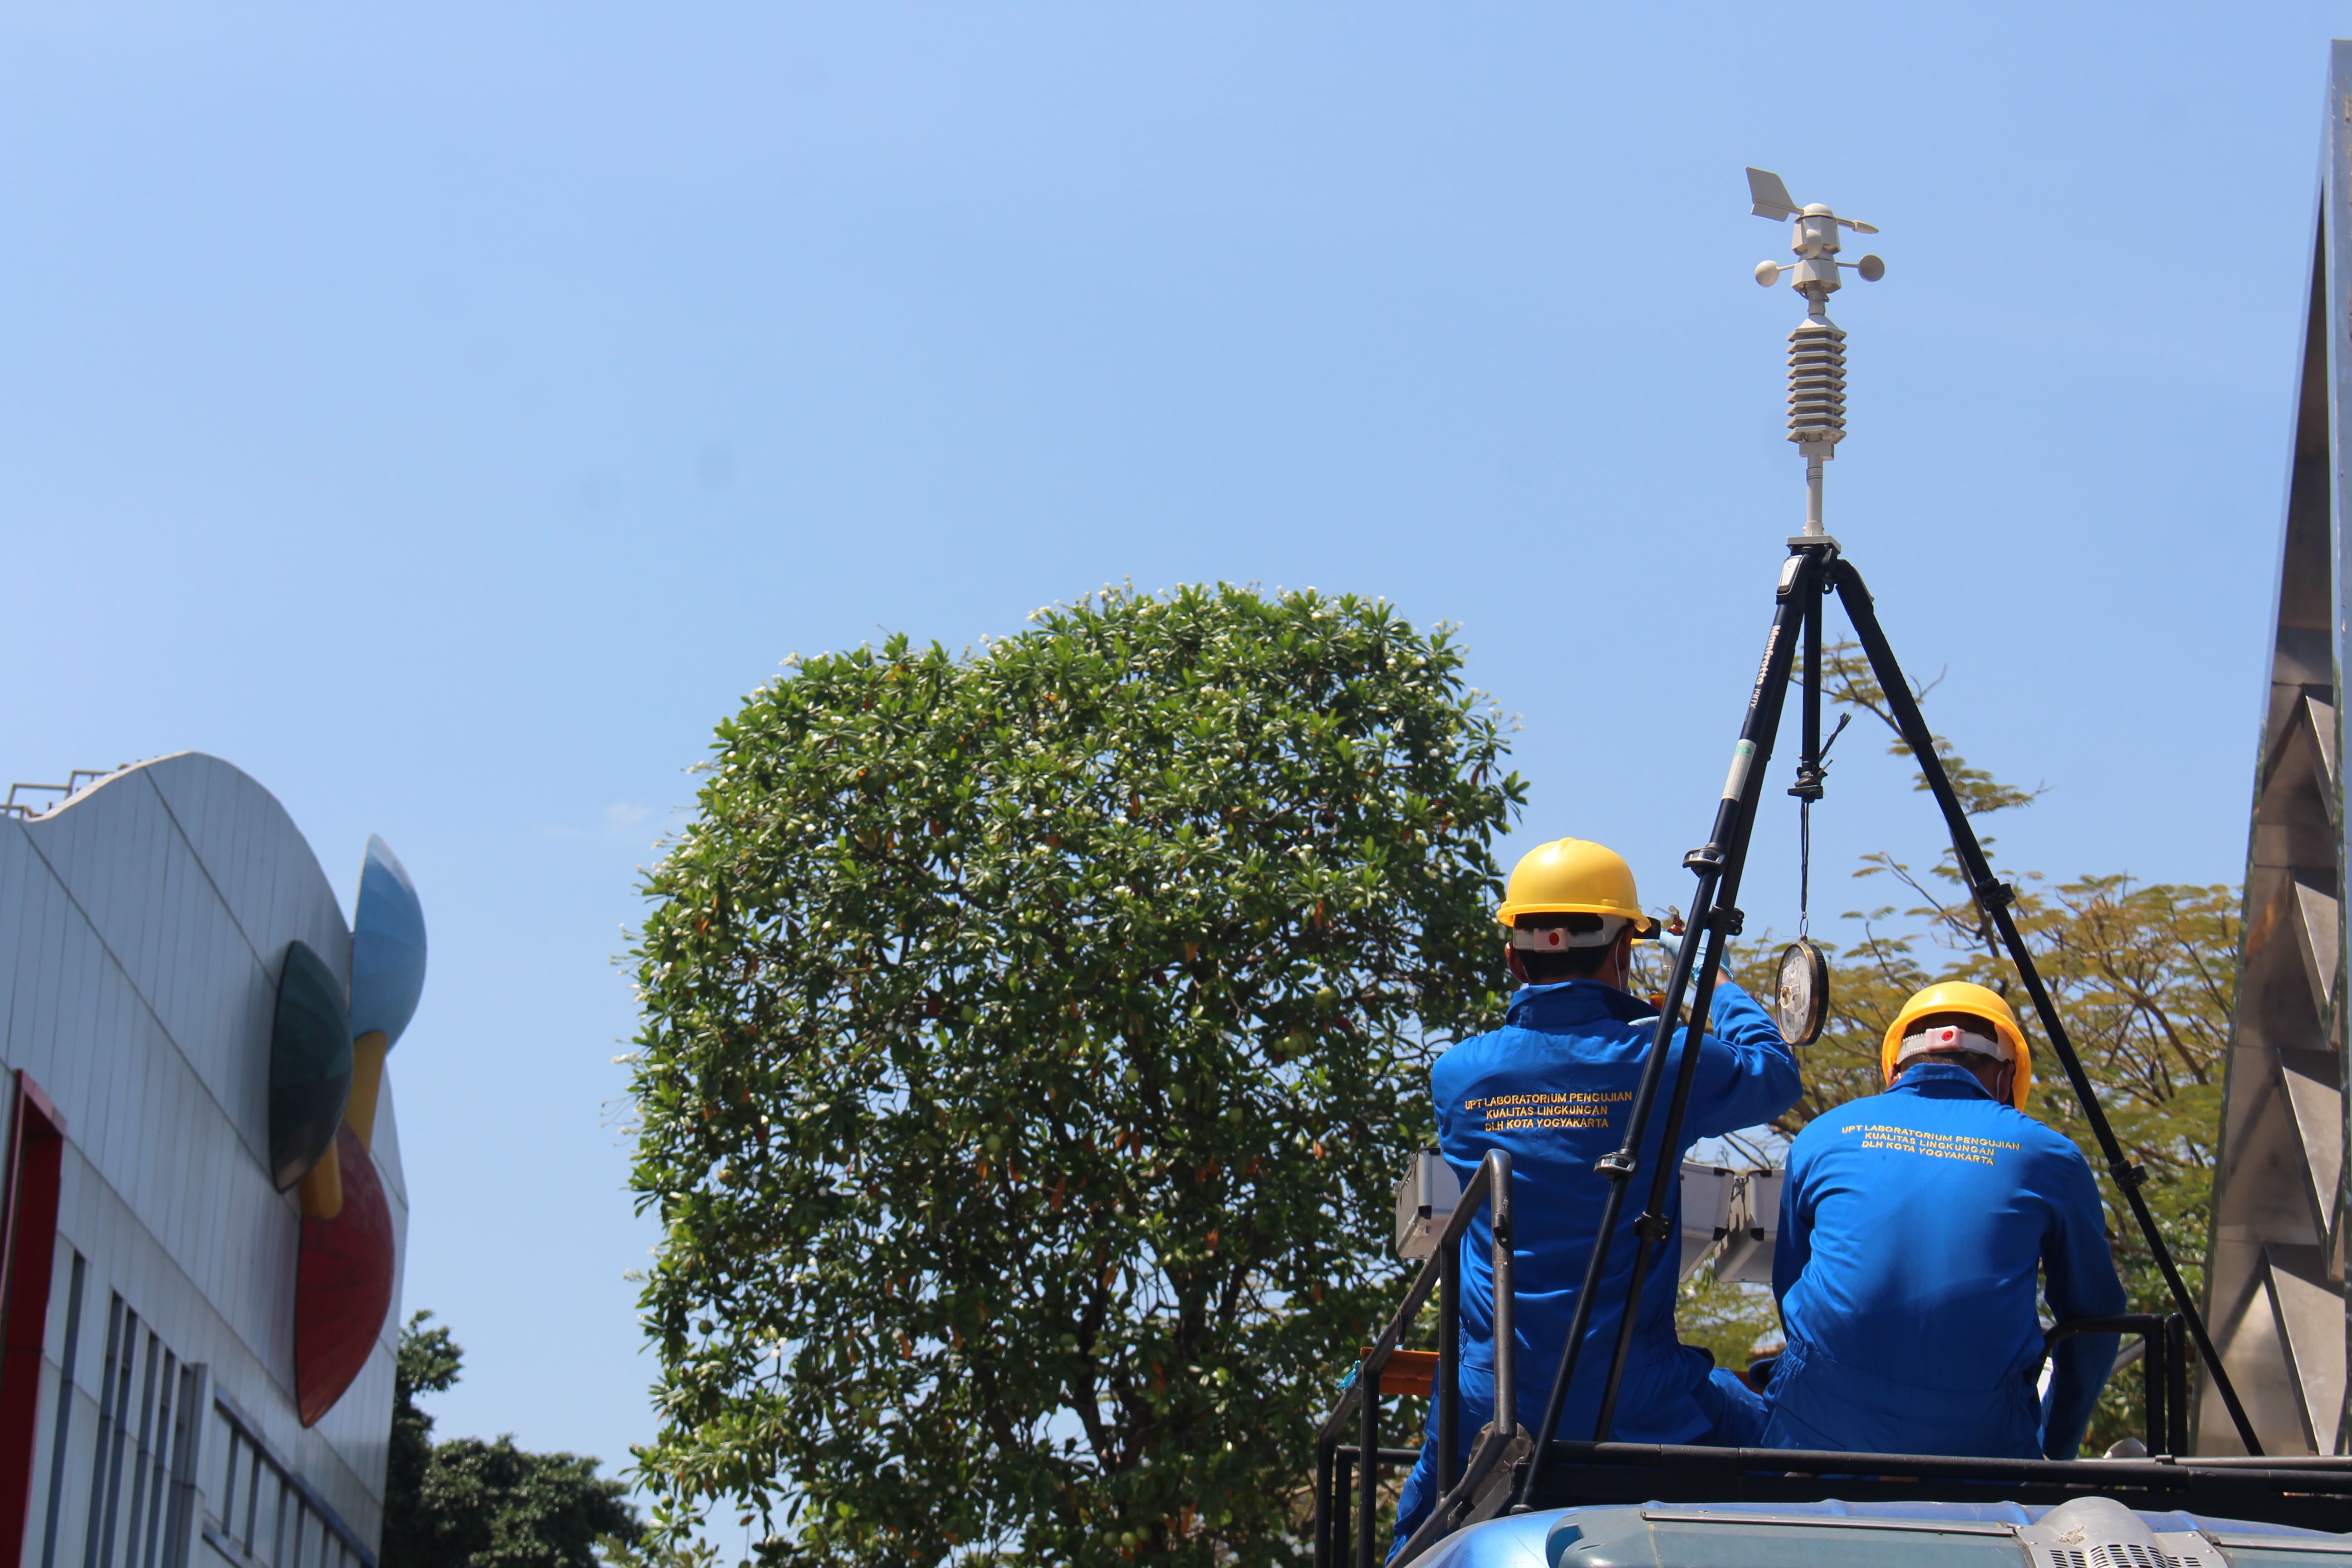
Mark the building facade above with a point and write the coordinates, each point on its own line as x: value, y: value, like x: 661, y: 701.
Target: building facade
x: 200, y: 1326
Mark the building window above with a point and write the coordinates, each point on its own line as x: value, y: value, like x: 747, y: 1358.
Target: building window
x: 60, y: 1457
x: 142, y: 1484
x: 268, y: 1517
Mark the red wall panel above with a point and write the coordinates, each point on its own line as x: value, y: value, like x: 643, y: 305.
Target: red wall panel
x: 28, y: 1241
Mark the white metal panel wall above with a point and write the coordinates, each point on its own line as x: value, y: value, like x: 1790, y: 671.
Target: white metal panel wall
x: 143, y: 927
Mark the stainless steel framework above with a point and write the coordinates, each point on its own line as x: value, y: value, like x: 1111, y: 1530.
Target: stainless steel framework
x: 2274, y: 1292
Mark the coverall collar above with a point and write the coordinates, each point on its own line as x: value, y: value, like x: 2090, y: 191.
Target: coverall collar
x: 1565, y: 1004
x: 1939, y: 1080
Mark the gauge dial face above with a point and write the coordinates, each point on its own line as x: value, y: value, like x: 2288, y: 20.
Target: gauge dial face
x: 1801, y: 997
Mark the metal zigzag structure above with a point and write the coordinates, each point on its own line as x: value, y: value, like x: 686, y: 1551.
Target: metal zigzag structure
x: 2275, y: 1292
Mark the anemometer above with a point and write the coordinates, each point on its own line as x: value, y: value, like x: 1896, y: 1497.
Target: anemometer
x: 1817, y: 348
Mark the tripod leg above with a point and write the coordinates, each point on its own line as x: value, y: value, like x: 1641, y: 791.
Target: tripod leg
x: 1800, y: 581
x: 1809, y: 762
x: 1993, y: 897
x: 1801, y: 594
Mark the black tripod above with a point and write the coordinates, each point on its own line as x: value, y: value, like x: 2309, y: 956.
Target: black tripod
x: 1813, y: 570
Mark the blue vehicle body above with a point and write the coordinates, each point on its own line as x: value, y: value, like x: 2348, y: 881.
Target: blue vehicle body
x: 1830, y: 1534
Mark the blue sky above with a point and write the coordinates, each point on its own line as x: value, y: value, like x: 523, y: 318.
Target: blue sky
x: 446, y: 413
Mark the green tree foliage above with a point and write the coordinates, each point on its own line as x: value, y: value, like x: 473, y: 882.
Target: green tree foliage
x: 465, y: 1503
x: 1734, y: 1323
x: 1029, y: 1041
x: 2144, y: 978
x: 428, y: 1362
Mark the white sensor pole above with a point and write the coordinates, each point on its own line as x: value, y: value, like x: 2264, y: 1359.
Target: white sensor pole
x: 1816, y: 348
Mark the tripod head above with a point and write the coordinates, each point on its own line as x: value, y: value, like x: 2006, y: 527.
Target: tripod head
x: 1816, y: 348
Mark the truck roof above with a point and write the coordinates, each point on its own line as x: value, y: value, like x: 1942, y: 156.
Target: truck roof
x: 1837, y: 1534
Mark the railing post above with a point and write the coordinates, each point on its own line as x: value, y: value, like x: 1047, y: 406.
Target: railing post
x: 2176, y: 1337
x: 1342, y: 1508
x: 1323, y: 1458
x: 1448, y: 1391
x: 1368, y: 1464
x: 1506, y: 1346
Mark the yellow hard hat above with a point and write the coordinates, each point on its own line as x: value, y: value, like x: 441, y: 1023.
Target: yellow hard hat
x: 1573, y: 877
x: 1976, y: 1002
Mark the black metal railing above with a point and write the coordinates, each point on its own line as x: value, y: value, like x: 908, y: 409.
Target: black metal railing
x: 2164, y: 1367
x: 1342, y: 1470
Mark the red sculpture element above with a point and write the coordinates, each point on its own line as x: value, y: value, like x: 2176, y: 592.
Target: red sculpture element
x: 343, y: 1284
x: 29, y: 1236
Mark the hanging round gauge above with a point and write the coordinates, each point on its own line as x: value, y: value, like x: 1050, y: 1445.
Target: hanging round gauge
x: 1801, y: 995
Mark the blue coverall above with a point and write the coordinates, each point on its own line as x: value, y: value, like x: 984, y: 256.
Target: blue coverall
x: 1912, y: 1226
x: 1553, y: 1086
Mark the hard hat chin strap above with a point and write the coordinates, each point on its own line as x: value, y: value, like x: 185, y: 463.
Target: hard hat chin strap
x: 1555, y: 939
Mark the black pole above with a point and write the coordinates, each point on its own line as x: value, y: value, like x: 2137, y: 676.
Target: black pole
x: 1800, y: 582
x: 1993, y: 897
x: 1802, y: 590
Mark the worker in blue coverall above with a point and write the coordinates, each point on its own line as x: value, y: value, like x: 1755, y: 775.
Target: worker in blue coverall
x: 1913, y: 1223
x: 1553, y: 1086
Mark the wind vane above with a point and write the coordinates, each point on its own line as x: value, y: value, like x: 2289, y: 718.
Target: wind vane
x: 1817, y: 349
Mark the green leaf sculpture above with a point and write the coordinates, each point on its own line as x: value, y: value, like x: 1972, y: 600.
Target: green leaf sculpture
x: 309, y: 1065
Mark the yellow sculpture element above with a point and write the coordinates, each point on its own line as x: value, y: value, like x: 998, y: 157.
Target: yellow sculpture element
x: 367, y: 1081
x: 321, y: 1191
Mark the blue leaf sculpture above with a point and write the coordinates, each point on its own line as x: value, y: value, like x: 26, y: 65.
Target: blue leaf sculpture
x: 387, y: 946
